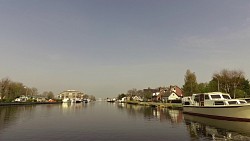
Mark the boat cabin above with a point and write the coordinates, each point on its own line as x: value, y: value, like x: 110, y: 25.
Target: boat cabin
x: 211, y: 99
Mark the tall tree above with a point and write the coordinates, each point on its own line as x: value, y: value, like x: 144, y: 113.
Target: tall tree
x: 4, y: 87
x: 191, y: 85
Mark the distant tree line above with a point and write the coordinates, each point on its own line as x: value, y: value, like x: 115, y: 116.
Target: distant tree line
x: 9, y: 90
x: 145, y: 94
x: 232, y: 82
x: 135, y: 92
x: 91, y: 97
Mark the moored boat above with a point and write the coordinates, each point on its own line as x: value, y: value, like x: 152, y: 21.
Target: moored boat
x: 66, y: 100
x: 76, y: 100
x: 217, y: 105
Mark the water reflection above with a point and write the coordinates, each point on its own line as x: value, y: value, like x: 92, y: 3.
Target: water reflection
x: 73, y: 106
x: 152, y: 114
x: 10, y: 115
x: 112, y: 121
x: 201, y: 127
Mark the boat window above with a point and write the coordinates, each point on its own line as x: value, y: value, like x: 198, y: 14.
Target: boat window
x: 247, y: 100
x: 196, y: 98
x: 215, y: 96
x: 206, y: 97
x: 226, y: 96
x: 232, y: 102
x: 218, y: 103
x: 242, y: 102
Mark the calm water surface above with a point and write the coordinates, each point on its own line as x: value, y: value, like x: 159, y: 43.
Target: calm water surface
x: 111, y: 121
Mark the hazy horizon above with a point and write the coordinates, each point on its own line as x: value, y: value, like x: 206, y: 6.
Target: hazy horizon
x: 106, y: 47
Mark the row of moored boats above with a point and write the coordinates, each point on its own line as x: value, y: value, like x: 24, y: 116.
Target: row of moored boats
x: 75, y: 100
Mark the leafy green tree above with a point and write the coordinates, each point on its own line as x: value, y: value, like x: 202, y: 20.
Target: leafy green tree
x: 191, y: 85
x: 239, y: 93
x: 147, y: 95
x: 245, y: 86
x: 213, y: 85
x: 203, y: 87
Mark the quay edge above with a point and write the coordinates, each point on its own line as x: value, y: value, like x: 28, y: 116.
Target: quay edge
x: 155, y: 104
x: 26, y: 103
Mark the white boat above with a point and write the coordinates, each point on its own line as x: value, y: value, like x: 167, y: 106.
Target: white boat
x: 76, y: 100
x: 66, y: 100
x: 217, y: 105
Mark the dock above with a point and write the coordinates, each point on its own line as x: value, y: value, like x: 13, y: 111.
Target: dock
x: 157, y: 104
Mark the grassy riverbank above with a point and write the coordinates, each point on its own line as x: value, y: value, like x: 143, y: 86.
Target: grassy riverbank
x: 157, y: 104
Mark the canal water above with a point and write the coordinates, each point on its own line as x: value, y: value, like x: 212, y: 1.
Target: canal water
x: 103, y: 121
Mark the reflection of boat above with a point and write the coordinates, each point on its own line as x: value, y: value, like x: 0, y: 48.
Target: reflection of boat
x: 219, y: 128
x: 217, y: 105
x: 86, y: 100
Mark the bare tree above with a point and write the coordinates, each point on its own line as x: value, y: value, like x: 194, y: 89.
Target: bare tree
x: 4, y: 87
x: 229, y: 80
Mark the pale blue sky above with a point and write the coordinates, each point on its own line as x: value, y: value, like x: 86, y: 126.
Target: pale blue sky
x: 106, y: 47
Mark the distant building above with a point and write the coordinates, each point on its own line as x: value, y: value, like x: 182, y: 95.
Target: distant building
x: 41, y: 99
x: 21, y: 99
x: 158, y: 93
x: 71, y: 94
x: 174, y: 94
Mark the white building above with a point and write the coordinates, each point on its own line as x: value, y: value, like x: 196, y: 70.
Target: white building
x: 71, y: 94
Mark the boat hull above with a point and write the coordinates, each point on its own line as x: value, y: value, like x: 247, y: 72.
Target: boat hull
x: 232, y: 113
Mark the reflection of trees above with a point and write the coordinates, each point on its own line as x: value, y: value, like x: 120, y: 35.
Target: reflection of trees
x: 9, y: 114
x: 150, y: 113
